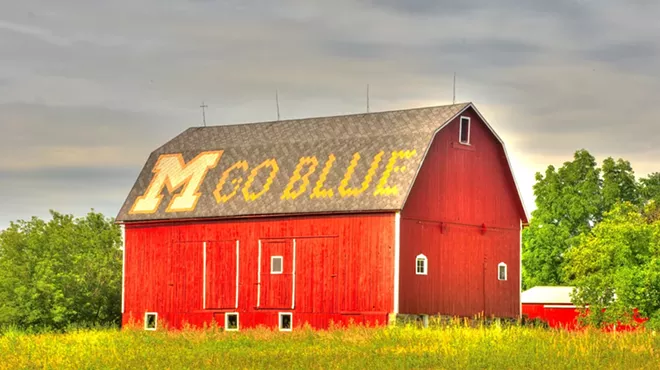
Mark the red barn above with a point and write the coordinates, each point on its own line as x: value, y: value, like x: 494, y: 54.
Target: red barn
x: 336, y: 219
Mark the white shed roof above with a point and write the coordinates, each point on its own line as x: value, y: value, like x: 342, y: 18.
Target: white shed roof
x: 548, y: 295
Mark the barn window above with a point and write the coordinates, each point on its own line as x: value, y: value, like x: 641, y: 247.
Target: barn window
x: 421, y: 265
x: 231, y: 321
x: 285, y: 320
x: 501, y: 271
x: 276, y: 263
x: 150, y: 320
x: 464, y: 135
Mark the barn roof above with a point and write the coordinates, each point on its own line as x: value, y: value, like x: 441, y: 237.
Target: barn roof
x: 547, y: 295
x: 351, y: 163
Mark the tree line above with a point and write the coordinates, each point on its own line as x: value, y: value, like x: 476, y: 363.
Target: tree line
x: 597, y: 228
x: 59, y: 273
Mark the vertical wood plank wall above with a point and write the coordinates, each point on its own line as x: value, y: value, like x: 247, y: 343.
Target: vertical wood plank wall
x: 344, y: 270
x: 459, y: 189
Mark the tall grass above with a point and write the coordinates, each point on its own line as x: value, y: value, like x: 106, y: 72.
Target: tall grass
x: 447, y: 346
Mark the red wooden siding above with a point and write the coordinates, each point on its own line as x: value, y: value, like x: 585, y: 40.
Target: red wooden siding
x: 344, y: 270
x: 464, y: 214
x: 276, y: 290
x: 221, y: 273
x: 556, y: 316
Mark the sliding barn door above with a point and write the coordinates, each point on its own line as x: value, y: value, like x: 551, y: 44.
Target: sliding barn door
x: 221, y: 265
x: 276, y: 270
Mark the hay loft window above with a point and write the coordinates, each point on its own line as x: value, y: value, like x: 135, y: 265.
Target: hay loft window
x: 501, y: 271
x: 285, y: 321
x: 150, y: 320
x: 276, y: 263
x: 421, y: 265
x: 464, y: 132
x: 231, y: 321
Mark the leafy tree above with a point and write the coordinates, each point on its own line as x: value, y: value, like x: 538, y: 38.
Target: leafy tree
x: 650, y: 188
x: 61, y: 272
x: 616, y: 266
x: 619, y: 183
x: 569, y: 202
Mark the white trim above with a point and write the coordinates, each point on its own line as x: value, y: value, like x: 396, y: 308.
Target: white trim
x: 204, y: 286
x: 237, y: 269
x: 272, y: 259
x: 145, y: 320
x: 506, y: 154
x: 460, y: 129
x: 123, y: 267
x: 238, y: 325
x: 558, y: 306
x: 506, y: 272
x: 279, y: 320
x: 259, y: 276
x: 397, y: 257
x: 520, y: 270
x: 426, y: 264
x: 293, y: 279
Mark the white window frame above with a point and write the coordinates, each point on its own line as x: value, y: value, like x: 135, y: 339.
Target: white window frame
x: 506, y: 272
x: 238, y: 325
x: 272, y: 258
x: 426, y: 264
x: 460, y: 129
x: 155, y: 314
x: 279, y: 320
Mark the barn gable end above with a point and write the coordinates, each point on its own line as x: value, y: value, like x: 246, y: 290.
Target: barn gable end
x: 464, y: 215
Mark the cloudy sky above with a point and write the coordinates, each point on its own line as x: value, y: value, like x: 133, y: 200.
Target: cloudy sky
x: 89, y: 88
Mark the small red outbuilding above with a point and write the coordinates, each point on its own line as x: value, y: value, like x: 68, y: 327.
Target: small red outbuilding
x: 551, y: 304
x: 334, y: 219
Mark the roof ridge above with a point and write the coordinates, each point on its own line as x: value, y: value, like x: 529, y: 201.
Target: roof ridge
x: 464, y: 104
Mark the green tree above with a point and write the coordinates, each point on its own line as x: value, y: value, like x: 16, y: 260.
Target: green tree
x: 616, y: 266
x: 569, y: 202
x: 619, y: 183
x: 650, y: 188
x: 61, y: 272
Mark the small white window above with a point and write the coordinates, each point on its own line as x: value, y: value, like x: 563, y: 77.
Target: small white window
x: 276, y: 263
x: 285, y: 321
x: 231, y: 321
x: 421, y: 265
x: 464, y: 132
x: 150, y: 320
x: 501, y: 271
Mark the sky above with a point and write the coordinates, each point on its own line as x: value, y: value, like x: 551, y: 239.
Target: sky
x: 89, y: 88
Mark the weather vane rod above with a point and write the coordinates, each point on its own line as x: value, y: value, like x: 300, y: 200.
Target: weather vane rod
x: 277, y: 104
x: 453, y: 101
x: 204, y: 106
x: 367, y: 98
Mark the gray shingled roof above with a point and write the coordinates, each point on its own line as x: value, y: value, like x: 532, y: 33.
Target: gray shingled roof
x: 287, y: 142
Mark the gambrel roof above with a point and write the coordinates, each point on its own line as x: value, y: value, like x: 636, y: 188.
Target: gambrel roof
x: 352, y: 163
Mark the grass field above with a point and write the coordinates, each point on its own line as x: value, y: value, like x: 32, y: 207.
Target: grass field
x: 357, y: 348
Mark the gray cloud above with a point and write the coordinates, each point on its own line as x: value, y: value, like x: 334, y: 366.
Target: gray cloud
x: 24, y: 194
x: 88, y: 89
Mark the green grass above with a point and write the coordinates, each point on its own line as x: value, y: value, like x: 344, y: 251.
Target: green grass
x: 359, y: 348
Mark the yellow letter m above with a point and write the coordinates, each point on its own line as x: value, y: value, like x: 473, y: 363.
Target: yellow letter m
x: 171, y: 171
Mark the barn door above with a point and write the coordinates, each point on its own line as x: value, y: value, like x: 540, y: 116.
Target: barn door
x: 316, y: 275
x: 186, y: 275
x: 221, y: 274
x: 276, y: 269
